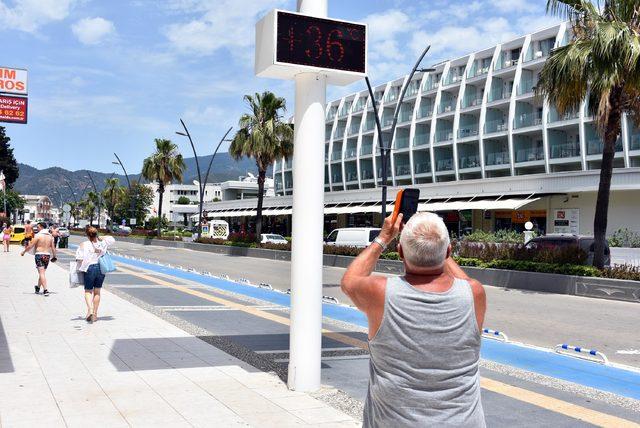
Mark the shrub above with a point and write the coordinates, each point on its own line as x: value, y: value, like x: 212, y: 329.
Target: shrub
x: 341, y: 251
x: 625, y: 238
x: 242, y: 237
x: 390, y: 255
x: 152, y: 223
x: 500, y: 236
x: 488, y: 251
x: 214, y: 241
x: 530, y: 266
x: 628, y: 272
x: 281, y: 247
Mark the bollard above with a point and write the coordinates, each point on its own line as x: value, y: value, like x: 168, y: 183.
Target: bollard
x: 330, y: 299
x: 579, y: 352
x: 494, y: 334
x: 265, y: 285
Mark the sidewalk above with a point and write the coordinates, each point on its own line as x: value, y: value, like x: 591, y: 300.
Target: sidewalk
x: 130, y: 368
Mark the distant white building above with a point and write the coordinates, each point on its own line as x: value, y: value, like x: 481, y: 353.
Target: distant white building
x: 37, y: 207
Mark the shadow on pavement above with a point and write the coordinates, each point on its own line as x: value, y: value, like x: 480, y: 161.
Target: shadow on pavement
x: 6, y: 364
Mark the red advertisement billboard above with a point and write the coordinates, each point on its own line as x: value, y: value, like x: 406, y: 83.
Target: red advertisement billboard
x: 13, y: 109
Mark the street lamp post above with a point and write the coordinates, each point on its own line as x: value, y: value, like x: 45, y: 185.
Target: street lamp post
x: 201, y: 183
x: 131, y: 205
x: 384, y: 150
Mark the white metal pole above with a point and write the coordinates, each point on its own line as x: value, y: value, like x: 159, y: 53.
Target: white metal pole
x: 307, y: 223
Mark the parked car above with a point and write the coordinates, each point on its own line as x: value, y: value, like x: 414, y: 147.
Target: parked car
x: 17, y: 234
x: 360, y: 237
x: 121, y: 230
x: 585, y: 243
x: 63, y: 232
x: 271, y: 238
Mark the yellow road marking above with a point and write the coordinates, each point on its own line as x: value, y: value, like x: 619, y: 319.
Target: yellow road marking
x: 347, y: 340
x: 553, y: 404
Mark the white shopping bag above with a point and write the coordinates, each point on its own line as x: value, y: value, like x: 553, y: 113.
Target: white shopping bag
x: 76, y: 277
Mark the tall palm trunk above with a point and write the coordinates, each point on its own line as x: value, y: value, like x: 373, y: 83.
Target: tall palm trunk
x: 606, y: 171
x: 161, y: 194
x: 261, y: 178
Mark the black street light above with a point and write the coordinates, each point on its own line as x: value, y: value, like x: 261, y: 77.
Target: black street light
x: 201, y: 183
x: 384, y: 150
x: 131, y: 207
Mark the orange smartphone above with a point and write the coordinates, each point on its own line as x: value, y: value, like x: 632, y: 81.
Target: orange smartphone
x: 406, y: 203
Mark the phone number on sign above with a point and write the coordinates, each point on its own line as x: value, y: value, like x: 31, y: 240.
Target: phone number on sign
x: 13, y: 110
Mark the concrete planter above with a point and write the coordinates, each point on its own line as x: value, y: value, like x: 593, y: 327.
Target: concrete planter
x: 603, y: 288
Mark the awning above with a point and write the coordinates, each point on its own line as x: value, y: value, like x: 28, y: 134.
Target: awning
x: 498, y: 204
x: 363, y: 207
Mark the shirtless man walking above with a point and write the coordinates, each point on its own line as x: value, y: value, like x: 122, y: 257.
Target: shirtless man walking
x: 28, y: 233
x: 44, y: 250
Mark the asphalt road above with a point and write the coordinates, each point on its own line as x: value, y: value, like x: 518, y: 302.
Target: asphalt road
x: 540, y: 319
x: 257, y: 331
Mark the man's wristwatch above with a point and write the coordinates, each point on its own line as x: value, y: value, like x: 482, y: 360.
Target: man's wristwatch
x: 380, y: 242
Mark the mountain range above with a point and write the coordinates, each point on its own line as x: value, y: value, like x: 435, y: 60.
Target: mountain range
x: 53, y: 181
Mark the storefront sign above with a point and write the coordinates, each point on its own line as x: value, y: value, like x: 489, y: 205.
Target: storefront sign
x: 13, y: 81
x: 13, y: 109
x: 521, y: 216
x: 566, y: 221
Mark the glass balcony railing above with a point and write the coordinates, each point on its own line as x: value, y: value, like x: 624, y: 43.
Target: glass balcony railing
x: 336, y: 178
x: 503, y: 62
x: 452, y: 78
x: 369, y: 124
x: 366, y: 174
x: 423, y: 167
x: 554, y: 116
x: 526, y: 86
x: 431, y: 85
x: 530, y: 154
x: 332, y: 114
x: 403, y: 169
x: 477, y: 70
x: 472, y: 161
x: 527, y: 119
x: 472, y: 101
x: 499, y: 94
x: 446, y: 107
x: 288, y: 184
x: 404, y: 116
x: 289, y: 163
x: 426, y: 110
x: 344, y: 110
x: 496, y: 125
x: 466, y: 131
x: 420, y: 139
x: 402, y: 142
x: 362, y: 102
x: 387, y: 120
x: 498, y: 158
x: 444, y: 165
x: 595, y: 146
x: 354, y: 128
x: 565, y: 150
x: 444, y: 135
x: 541, y: 51
x: 352, y: 176
x: 392, y: 95
x: 336, y: 155
x: 350, y: 153
x: 366, y: 149
x: 413, y: 89
x: 338, y: 134
x: 327, y: 135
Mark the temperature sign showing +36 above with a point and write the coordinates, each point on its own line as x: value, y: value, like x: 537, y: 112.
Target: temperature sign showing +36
x: 323, y: 43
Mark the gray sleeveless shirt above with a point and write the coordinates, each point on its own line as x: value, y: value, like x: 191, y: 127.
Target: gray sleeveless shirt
x: 423, y: 369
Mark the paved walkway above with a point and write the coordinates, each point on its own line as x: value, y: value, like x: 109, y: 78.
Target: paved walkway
x: 130, y: 368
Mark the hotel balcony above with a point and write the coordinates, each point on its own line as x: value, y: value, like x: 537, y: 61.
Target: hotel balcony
x: 472, y: 100
x: 596, y: 145
x: 444, y: 165
x: 499, y: 94
x: 554, y: 116
x: 497, y: 158
x: 425, y: 110
x: 420, y: 140
x: 402, y: 142
x: 468, y: 131
x: 496, y: 125
x: 447, y: 107
x: 444, y: 135
x: 525, y: 120
x: 402, y: 169
x: 352, y: 176
x: 350, y: 153
x: 526, y: 86
x: 366, y: 174
x: 366, y: 149
x: 422, y: 168
x: 530, y: 154
x: 472, y: 161
x: 566, y: 150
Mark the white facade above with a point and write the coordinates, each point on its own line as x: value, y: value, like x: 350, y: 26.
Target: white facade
x: 37, y: 207
x: 175, y: 212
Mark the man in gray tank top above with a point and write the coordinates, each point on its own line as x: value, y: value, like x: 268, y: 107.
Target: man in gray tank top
x: 424, y: 330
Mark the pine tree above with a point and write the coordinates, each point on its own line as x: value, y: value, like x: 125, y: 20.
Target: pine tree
x: 8, y: 162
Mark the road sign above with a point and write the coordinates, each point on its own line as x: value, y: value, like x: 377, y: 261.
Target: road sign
x: 66, y: 208
x: 13, y: 81
x: 13, y: 109
x: 132, y: 221
x: 289, y: 43
x: 66, y: 217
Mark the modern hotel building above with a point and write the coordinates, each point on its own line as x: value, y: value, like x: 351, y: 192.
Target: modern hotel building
x: 484, y: 151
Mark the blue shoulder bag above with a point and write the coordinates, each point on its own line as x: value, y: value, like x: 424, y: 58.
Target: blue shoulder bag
x: 106, y: 264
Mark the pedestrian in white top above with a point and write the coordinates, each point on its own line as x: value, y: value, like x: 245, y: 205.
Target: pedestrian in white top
x: 88, y: 258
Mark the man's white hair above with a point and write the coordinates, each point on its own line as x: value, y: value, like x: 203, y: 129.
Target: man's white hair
x: 425, y: 240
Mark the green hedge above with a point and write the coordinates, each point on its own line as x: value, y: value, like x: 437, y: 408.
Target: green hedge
x: 529, y: 266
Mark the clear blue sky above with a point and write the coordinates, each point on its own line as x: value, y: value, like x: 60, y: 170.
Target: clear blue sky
x: 109, y: 76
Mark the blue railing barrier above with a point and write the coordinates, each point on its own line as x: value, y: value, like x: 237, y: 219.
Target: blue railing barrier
x: 580, y: 352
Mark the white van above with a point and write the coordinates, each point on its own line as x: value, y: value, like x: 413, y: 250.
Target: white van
x: 360, y: 237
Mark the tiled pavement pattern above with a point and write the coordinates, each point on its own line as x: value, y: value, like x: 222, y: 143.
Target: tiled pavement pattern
x: 130, y: 368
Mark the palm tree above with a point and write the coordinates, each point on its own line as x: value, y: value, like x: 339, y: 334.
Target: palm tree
x: 602, y: 64
x: 264, y: 137
x: 111, y: 194
x: 163, y: 166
